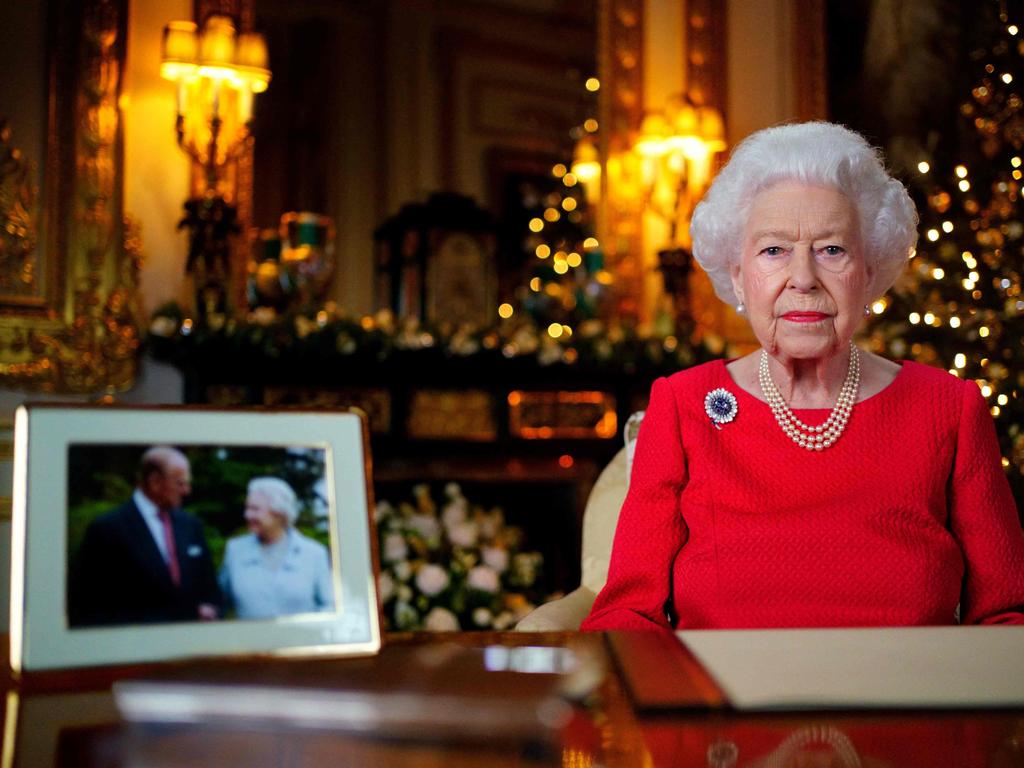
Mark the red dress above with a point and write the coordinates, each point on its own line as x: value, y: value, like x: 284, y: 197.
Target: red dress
x: 906, y: 517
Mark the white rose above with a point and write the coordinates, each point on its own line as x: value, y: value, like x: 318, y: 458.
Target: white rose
x: 503, y: 620
x: 454, y: 512
x: 496, y: 558
x: 386, y: 585
x: 383, y: 511
x: 431, y: 579
x: 452, y: 490
x: 395, y: 548
x: 402, y: 570
x: 426, y: 526
x: 441, y: 620
x: 482, y: 617
x: 484, y: 578
x: 464, y: 534
x: 404, y: 592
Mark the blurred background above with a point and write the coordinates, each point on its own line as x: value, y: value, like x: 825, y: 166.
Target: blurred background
x: 469, y: 219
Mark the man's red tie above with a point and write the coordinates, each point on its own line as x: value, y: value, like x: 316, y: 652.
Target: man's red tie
x: 172, y: 553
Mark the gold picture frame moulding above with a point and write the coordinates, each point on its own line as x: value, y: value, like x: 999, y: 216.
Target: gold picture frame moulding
x: 56, y: 443
x: 74, y: 329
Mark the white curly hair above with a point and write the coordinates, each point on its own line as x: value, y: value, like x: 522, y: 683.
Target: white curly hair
x: 279, y: 495
x: 818, y: 153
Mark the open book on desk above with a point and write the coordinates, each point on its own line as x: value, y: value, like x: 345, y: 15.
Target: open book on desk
x: 434, y: 691
x: 907, y: 668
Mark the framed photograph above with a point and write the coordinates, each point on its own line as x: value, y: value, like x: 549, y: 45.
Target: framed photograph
x: 146, y: 534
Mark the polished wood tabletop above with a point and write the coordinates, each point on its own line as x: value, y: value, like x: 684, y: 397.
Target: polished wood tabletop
x: 451, y: 711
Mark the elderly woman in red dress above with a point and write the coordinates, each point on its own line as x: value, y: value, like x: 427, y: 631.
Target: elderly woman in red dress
x: 811, y: 483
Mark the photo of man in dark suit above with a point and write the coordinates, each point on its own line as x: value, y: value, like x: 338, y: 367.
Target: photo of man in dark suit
x: 148, y: 560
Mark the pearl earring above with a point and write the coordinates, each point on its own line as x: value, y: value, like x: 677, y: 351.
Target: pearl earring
x: 740, y: 309
x: 867, y: 311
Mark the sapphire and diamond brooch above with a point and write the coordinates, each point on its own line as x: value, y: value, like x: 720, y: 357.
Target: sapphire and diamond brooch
x: 720, y: 406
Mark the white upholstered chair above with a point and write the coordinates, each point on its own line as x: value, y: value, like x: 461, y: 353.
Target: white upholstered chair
x: 599, y: 520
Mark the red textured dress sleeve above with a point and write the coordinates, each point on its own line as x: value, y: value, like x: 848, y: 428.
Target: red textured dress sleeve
x: 651, y: 529
x: 983, y: 518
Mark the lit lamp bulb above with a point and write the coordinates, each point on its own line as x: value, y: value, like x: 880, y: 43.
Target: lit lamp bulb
x: 178, y: 57
x: 254, y: 74
x: 586, y: 166
x: 654, y: 132
x: 217, y: 48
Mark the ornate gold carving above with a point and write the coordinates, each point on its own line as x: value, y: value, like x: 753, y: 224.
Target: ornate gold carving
x: 436, y: 414
x: 373, y: 402
x: 18, y: 230
x: 550, y: 415
x: 620, y: 69
x: 84, y: 336
x: 706, y: 53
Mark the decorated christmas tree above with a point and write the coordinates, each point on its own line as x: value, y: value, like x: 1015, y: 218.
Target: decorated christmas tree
x: 961, y: 304
x: 565, y: 280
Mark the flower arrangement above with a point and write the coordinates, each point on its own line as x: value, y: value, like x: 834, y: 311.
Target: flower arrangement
x: 459, y: 568
x: 595, y: 343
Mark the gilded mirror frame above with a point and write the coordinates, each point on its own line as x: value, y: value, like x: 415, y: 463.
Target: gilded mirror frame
x: 68, y: 313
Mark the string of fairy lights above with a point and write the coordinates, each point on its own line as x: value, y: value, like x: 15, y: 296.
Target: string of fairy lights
x: 961, y: 304
x: 567, y: 279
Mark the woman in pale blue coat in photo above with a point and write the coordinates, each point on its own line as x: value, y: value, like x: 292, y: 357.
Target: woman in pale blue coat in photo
x: 274, y: 570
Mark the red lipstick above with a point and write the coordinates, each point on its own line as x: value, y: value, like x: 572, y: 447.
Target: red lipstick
x: 805, y: 317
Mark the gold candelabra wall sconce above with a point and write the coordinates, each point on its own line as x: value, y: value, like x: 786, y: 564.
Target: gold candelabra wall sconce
x: 662, y: 169
x: 217, y: 72
x: 675, y: 150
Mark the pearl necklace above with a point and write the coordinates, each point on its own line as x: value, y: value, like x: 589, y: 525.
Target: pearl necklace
x: 823, y: 435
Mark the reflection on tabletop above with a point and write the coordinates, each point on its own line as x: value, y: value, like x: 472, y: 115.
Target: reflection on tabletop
x: 483, y: 681
x: 903, y: 740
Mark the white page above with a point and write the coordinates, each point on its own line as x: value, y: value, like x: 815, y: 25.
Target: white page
x: 904, y: 667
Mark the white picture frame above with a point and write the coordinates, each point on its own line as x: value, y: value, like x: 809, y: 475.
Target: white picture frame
x: 47, y: 436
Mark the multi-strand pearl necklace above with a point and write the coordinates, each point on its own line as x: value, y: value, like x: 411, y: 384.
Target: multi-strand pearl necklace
x: 822, y: 436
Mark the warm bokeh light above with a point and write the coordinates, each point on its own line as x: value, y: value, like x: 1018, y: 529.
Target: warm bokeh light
x: 505, y: 311
x: 592, y: 84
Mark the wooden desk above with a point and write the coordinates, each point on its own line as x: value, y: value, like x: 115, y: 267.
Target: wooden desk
x: 69, y: 719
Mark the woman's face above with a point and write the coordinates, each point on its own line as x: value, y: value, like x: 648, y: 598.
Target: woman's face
x: 802, y: 274
x: 267, y: 525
